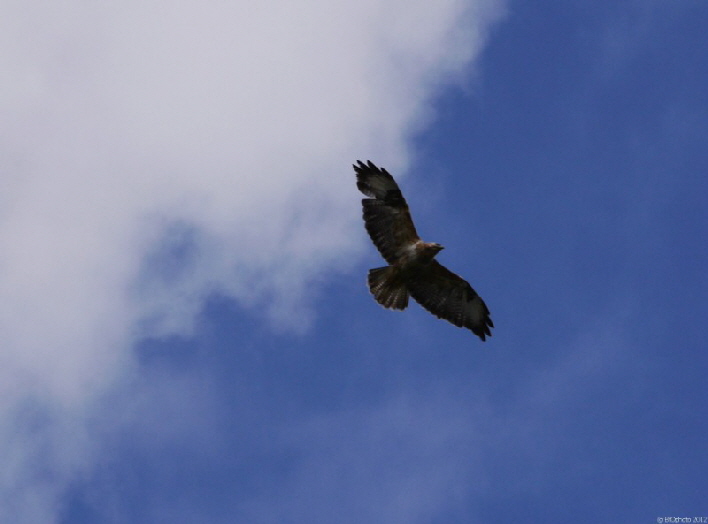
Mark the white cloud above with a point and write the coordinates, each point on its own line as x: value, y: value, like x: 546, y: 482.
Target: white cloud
x: 216, y: 134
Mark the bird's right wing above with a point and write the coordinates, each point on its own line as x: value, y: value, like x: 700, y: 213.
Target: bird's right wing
x: 386, y: 215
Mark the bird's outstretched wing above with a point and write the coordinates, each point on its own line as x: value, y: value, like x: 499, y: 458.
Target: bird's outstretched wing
x: 386, y: 214
x: 448, y: 296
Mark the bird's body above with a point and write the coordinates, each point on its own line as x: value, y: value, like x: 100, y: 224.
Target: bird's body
x: 412, y: 270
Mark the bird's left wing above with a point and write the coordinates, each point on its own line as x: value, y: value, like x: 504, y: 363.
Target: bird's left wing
x: 386, y: 214
x: 448, y: 296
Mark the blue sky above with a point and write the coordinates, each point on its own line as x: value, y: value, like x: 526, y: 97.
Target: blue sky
x: 186, y: 331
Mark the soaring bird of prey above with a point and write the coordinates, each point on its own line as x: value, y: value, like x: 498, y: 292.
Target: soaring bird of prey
x: 412, y: 268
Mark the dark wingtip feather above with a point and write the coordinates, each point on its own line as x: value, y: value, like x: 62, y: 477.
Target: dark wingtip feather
x: 364, y: 173
x: 482, y: 333
x: 375, y: 182
x: 369, y: 165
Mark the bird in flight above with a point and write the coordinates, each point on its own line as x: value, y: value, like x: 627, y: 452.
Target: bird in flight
x: 412, y: 270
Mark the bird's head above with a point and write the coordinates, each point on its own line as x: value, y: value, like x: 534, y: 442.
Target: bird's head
x: 428, y: 250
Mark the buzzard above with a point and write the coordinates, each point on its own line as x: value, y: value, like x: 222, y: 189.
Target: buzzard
x: 413, y: 269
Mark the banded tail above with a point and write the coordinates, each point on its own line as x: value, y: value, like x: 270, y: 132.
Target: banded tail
x: 388, y: 289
